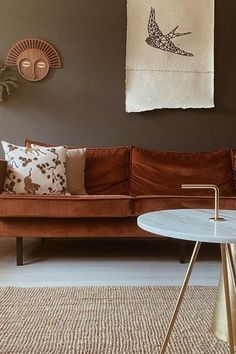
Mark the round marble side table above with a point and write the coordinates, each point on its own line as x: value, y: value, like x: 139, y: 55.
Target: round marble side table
x: 195, y: 225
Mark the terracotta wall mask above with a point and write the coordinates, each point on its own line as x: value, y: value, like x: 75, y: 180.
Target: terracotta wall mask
x: 33, y: 58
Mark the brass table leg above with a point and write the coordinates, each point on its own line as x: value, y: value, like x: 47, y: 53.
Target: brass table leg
x: 181, y: 295
x: 232, y: 266
x: 219, y: 325
x: 227, y: 296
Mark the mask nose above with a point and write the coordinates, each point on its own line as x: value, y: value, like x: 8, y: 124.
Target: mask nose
x: 33, y: 73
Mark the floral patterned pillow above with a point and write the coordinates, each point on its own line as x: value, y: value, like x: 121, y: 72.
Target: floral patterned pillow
x: 35, y: 170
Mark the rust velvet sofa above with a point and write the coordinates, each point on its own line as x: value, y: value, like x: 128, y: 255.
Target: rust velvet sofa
x: 121, y: 183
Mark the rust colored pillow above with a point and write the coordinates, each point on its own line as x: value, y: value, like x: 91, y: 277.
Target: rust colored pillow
x: 106, y: 169
x: 163, y: 173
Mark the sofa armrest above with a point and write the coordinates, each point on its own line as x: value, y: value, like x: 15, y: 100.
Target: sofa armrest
x: 3, y: 173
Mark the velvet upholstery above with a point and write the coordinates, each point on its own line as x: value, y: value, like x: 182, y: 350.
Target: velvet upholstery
x: 148, y: 203
x: 3, y: 172
x: 115, y: 214
x: 77, y: 227
x: 163, y: 173
x: 233, y: 159
x: 21, y: 205
x: 106, y: 169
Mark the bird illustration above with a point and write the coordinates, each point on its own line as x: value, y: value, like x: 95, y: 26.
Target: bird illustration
x: 30, y: 187
x: 158, y: 40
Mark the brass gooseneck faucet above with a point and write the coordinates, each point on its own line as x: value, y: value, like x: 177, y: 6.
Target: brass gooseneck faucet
x: 216, y: 217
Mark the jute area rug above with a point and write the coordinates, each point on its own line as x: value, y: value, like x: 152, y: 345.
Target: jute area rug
x: 105, y: 320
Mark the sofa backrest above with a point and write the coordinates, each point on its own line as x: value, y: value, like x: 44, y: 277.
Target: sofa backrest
x: 162, y: 173
x: 106, y: 169
x: 137, y: 171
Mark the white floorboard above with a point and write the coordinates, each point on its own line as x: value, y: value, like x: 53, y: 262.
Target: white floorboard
x: 74, y: 262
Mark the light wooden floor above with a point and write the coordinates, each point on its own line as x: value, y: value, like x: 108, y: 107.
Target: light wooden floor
x: 71, y: 262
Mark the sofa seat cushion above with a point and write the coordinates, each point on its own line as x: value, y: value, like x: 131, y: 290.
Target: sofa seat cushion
x: 147, y: 203
x: 19, y: 205
x: 163, y: 173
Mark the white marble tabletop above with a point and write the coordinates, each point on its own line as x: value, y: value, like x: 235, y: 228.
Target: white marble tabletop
x: 191, y: 224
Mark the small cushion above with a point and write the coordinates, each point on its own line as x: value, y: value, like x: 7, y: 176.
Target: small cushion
x: 75, y: 170
x: 75, y: 166
x: 159, y: 172
x: 38, y: 170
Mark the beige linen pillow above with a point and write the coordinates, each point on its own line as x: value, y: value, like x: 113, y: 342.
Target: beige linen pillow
x: 35, y: 170
x: 75, y: 169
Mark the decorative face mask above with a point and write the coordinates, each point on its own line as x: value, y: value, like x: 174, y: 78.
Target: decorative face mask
x: 33, y: 58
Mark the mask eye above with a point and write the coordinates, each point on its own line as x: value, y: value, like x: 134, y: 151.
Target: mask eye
x: 41, y: 65
x: 26, y: 64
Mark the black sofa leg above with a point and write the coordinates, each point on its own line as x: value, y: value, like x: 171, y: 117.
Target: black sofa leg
x: 183, y: 251
x: 19, y: 251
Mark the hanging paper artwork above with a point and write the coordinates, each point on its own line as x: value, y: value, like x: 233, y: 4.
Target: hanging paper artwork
x: 170, y: 54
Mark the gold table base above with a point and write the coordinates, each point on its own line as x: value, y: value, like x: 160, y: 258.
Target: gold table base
x: 228, y: 277
x: 219, y: 320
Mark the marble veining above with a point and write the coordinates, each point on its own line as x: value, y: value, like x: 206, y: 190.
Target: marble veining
x: 191, y: 224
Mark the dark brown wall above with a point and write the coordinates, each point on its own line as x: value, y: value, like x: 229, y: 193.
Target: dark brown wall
x: 84, y: 102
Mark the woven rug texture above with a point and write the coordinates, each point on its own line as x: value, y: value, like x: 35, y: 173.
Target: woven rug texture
x: 105, y: 320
